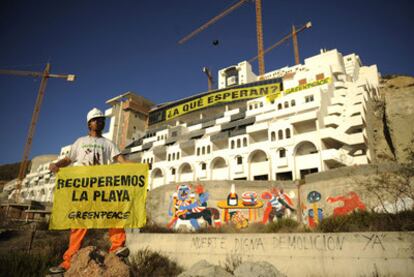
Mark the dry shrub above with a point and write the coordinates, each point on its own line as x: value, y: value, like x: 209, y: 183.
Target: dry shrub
x: 368, y: 222
x: 147, y: 263
x: 232, y: 263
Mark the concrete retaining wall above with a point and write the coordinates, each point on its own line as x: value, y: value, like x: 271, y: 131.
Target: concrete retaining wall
x: 330, y: 254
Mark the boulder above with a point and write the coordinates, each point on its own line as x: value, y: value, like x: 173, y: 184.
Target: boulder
x: 257, y: 269
x: 205, y: 269
x: 92, y: 262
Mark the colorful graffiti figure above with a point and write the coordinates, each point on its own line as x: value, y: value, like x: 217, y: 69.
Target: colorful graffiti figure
x: 184, y: 206
x: 279, y: 204
x: 350, y: 203
x: 239, y: 220
x: 315, y: 214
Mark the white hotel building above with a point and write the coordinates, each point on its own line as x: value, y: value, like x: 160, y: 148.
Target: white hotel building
x: 318, y: 123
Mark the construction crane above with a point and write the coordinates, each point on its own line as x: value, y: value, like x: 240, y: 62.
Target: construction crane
x: 259, y: 29
x: 45, y: 75
x: 292, y: 35
x: 210, y: 81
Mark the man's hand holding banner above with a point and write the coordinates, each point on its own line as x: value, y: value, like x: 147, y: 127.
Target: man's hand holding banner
x: 102, y: 196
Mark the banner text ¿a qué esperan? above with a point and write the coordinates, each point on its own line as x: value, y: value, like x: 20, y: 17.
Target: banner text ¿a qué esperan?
x: 222, y: 97
x: 272, y: 91
x: 102, y: 196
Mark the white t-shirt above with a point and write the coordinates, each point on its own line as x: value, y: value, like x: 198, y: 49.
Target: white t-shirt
x: 93, y: 151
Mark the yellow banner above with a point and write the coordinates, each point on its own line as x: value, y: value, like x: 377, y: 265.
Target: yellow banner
x: 274, y: 96
x: 101, y: 196
x: 221, y: 97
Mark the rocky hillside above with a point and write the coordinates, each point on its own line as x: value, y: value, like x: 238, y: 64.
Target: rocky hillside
x: 393, y: 120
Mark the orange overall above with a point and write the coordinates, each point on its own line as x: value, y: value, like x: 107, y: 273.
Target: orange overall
x: 116, y: 236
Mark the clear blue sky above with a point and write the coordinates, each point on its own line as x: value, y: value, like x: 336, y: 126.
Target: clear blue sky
x: 119, y: 46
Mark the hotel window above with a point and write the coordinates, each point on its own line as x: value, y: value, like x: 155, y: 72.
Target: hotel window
x: 203, y: 150
x: 282, y: 153
x: 293, y: 103
x: 239, y: 160
x: 286, y: 104
x: 178, y: 156
x: 172, y: 171
x: 280, y: 134
x: 287, y: 133
x: 279, y: 106
x: 272, y: 136
x: 232, y: 144
x: 173, y: 156
x: 244, y: 142
x: 309, y: 98
x: 261, y: 104
x: 203, y: 166
x: 169, y: 157
x: 238, y: 143
x: 208, y: 149
x: 198, y: 151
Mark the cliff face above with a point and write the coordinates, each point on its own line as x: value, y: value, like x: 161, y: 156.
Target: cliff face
x: 396, y: 108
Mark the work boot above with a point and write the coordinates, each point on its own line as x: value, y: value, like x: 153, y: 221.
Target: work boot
x: 57, y: 270
x: 122, y: 252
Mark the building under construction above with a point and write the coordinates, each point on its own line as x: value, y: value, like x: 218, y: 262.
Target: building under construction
x: 307, y: 118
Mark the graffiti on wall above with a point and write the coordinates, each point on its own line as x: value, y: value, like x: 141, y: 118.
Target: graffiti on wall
x: 314, y: 214
x: 350, y: 203
x: 190, y: 207
x: 279, y: 204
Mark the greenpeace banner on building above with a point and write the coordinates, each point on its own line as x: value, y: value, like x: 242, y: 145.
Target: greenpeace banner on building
x: 102, y: 196
x: 275, y: 96
x: 228, y: 95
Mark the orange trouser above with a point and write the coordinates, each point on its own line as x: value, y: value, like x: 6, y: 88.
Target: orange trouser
x: 116, y: 236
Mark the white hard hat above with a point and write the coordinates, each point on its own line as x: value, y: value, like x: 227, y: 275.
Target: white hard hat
x: 94, y: 113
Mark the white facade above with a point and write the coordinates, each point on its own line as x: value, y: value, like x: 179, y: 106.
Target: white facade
x: 319, y: 126
x: 38, y: 184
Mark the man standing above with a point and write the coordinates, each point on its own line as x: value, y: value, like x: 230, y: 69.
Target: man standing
x: 90, y: 150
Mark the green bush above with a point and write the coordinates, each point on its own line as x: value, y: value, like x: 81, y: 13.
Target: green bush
x: 368, y: 222
x: 146, y: 263
x: 284, y: 225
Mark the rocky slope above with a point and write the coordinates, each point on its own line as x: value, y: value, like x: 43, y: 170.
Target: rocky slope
x: 393, y: 120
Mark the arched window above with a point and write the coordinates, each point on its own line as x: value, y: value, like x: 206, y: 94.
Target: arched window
x: 208, y: 149
x: 279, y: 106
x: 282, y: 153
x: 238, y: 143
x: 178, y: 156
x: 203, y: 166
x: 244, y: 142
x: 169, y: 157
x: 293, y: 103
x: 203, y: 150
x: 287, y: 133
x: 280, y: 134
x: 239, y: 160
x: 272, y: 136
x: 232, y: 144
x: 198, y: 151
x: 173, y: 156
x: 286, y: 104
x: 261, y: 104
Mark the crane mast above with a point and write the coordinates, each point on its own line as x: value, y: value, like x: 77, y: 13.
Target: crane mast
x: 45, y: 75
